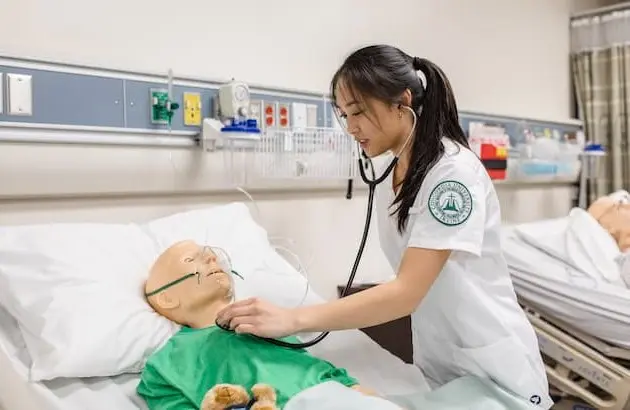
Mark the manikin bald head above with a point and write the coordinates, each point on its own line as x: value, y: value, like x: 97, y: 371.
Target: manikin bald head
x: 187, y: 285
x: 614, y: 216
x: 601, y: 206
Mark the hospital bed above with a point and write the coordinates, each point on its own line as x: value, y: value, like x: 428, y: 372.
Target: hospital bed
x: 369, y: 362
x: 352, y: 349
x: 71, y: 348
x: 569, y: 284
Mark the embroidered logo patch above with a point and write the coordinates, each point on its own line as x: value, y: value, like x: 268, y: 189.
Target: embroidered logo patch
x: 450, y: 203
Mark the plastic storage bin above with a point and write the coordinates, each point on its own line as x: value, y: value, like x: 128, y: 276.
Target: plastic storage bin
x: 546, y: 159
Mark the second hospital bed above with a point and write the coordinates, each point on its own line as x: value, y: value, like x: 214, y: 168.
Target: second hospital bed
x: 567, y: 273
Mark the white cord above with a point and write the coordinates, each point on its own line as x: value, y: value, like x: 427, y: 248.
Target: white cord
x: 300, y: 269
x: 251, y: 198
x: 274, y: 240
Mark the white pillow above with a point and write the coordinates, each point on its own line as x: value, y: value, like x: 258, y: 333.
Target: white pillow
x: 76, y: 289
x: 267, y: 274
x: 76, y: 292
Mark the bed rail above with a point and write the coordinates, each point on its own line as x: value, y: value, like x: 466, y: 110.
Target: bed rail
x: 580, y: 370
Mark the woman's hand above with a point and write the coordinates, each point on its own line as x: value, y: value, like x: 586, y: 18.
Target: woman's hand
x: 260, y: 318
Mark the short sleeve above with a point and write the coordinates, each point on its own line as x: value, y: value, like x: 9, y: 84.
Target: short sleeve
x: 450, y: 209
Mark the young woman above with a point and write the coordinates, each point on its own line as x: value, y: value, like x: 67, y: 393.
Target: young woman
x: 439, y: 225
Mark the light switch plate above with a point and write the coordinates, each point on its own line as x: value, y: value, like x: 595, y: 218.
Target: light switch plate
x: 311, y: 115
x: 299, y: 115
x: 1, y: 92
x: 20, y: 94
x: 256, y: 108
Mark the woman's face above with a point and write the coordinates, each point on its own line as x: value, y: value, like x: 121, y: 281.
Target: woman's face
x: 377, y: 126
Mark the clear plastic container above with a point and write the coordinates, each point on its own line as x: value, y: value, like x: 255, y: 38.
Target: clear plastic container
x: 547, y: 158
x: 569, y: 163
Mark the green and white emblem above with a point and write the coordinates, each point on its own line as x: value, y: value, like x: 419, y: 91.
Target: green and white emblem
x: 450, y: 203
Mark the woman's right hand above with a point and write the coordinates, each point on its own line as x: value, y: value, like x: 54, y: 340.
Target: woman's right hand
x: 260, y: 318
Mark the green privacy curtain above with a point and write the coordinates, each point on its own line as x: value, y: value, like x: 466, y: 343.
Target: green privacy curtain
x: 600, y: 64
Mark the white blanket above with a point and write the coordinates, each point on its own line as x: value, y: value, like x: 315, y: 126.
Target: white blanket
x: 465, y: 393
x: 571, y: 269
x: 335, y: 396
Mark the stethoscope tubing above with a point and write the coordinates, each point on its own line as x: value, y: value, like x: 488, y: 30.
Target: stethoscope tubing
x: 371, y: 183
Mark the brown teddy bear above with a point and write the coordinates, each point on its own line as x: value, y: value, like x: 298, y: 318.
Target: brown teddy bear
x: 231, y: 396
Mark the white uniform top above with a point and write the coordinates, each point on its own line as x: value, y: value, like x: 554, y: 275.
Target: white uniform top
x: 469, y: 322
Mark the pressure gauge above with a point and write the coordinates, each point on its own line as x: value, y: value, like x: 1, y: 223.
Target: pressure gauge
x: 241, y: 93
x: 234, y: 99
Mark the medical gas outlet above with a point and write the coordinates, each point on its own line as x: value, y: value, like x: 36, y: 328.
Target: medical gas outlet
x: 162, y: 107
x: 234, y: 123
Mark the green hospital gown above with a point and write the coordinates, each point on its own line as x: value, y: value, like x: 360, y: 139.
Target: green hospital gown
x: 179, y: 374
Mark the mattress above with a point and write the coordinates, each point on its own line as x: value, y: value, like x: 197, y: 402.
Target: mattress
x: 568, y: 268
x: 371, y: 364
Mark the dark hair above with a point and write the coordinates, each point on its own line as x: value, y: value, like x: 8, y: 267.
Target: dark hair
x: 384, y: 72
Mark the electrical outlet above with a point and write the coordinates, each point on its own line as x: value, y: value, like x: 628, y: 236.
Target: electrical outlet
x: 159, y: 106
x: 283, y: 115
x: 20, y: 94
x: 270, y: 114
x: 192, y: 109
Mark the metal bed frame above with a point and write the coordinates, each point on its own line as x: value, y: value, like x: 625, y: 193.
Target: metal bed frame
x: 581, y: 365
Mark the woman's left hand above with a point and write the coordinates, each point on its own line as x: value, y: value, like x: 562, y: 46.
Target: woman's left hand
x: 260, y: 318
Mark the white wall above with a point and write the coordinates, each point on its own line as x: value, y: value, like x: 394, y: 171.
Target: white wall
x: 515, y: 51
x: 503, y: 57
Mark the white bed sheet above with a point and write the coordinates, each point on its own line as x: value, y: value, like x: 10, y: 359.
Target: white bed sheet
x: 372, y: 365
x: 571, y: 292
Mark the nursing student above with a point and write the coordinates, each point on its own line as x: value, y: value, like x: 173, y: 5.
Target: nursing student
x: 439, y: 224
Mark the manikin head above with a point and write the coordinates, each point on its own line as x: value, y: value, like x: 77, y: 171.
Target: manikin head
x: 614, y: 216
x: 189, y: 284
x: 376, y: 92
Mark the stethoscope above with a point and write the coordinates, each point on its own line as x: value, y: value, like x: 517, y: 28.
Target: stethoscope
x: 364, y: 163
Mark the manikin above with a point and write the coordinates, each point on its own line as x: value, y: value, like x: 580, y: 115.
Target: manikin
x: 613, y: 215
x: 188, y: 286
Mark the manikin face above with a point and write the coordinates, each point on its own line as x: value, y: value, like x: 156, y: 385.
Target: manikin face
x: 615, y: 218
x: 186, y: 277
x: 377, y: 126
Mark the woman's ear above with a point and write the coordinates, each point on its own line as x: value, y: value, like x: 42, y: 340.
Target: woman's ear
x: 406, y: 97
x: 164, y: 301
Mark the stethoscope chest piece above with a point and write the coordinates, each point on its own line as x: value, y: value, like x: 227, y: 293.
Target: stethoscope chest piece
x: 223, y: 327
